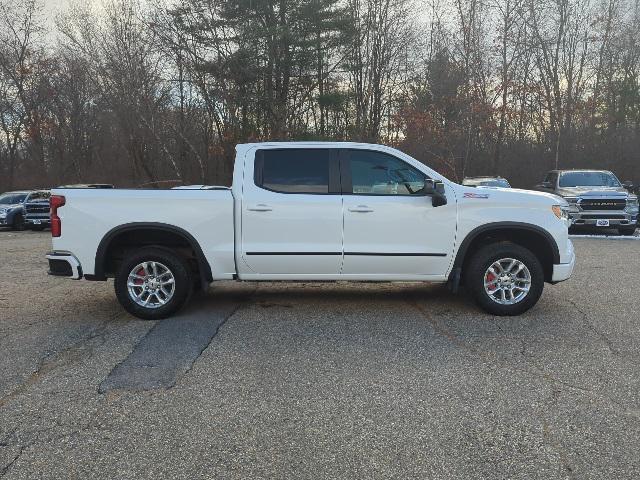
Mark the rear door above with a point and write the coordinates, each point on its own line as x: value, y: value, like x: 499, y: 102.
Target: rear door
x: 292, y: 212
x: 390, y: 225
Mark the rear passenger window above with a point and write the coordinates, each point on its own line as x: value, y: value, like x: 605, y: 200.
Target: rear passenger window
x: 293, y: 170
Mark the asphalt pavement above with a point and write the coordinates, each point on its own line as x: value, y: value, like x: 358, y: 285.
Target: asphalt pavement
x: 320, y: 381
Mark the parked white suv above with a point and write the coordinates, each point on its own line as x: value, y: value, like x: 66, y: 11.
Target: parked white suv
x: 314, y: 211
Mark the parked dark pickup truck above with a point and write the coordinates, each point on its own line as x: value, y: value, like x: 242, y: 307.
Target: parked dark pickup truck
x: 596, y: 199
x: 36, y: 208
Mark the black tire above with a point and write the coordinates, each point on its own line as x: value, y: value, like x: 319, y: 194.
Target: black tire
x: 628, y: 231
x: 18, y: 223
x: 474, y: 275
x: 178, y: 267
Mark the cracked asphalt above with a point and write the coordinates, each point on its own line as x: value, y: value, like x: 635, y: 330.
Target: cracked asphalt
x: 300, y: 380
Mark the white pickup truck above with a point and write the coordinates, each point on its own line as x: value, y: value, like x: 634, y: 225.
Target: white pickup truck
x: 314, y: 211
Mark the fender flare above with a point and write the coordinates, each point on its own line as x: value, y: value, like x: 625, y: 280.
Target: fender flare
x: 103, y: 246
x: 497, y: 226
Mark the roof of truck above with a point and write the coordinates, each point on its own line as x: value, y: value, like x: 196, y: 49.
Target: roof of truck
x: 310, y: 143
x: 562, y: 170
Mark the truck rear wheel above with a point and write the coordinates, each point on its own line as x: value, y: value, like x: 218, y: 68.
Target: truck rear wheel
x: 505, y: 278
x: 153, y: 283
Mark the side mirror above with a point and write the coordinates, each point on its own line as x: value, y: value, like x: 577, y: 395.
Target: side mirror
x: 546, y: 185
x: 435, y: 189
x: 628, y: 184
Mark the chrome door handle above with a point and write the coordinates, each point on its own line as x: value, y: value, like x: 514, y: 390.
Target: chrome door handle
x: 261, y: 207
x: 361, y: 209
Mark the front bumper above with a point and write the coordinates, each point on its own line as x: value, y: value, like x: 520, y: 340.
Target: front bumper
x: 562, y: 271
x: 46, y: 221
x: 64, y: 264
x: 616, y: 218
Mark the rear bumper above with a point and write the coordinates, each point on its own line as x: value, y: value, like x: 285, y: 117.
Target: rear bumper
x: 562, y: 271
x: 64, y: 264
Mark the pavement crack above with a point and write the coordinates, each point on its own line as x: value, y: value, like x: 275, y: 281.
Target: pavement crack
x: 549, y: 438
x: 241, y: 304
x: 6, y: 468
x: 168, y: 351
x: 585, y: 319
x: 530, y: 369
x: 491, y: 356
x: 71, y: 354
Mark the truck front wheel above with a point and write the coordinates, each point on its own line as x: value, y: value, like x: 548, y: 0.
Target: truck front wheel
x: 153, y: 283
x: 505, y: 278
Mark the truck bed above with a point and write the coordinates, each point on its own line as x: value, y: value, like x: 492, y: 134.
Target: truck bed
x: 91, y: 214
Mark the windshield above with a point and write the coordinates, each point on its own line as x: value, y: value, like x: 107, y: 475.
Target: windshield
x: 39, y: 197
x: 12, y: 198
x: 588, y: 179
x: 488, y: 182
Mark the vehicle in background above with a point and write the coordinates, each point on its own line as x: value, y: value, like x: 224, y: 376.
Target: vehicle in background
x: 314, y: 211
x: 596, y: 198
x: 486, y: 182
x: 87, y: 185
x: 12, y: 209
x: 632, y: 187
x: 198, y: 187
x: 36, y: 207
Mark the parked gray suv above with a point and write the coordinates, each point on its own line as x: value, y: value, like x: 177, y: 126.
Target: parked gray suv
x: 596, y: 198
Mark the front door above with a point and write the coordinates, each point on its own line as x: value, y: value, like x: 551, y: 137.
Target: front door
x: 292, y: 212
x: 390, y: 225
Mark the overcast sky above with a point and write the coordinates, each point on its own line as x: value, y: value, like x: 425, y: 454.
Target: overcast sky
x: 52, y: 7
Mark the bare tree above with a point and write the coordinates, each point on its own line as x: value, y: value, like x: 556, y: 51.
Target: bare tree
x: 20, y: 69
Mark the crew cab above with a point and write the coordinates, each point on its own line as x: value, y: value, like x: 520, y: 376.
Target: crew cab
x: 314, y: 211
x: 596, y: 198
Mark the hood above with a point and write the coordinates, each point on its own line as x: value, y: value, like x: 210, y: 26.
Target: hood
x: 12, y: 206
x: 592, y: 192
x: 513, y: 196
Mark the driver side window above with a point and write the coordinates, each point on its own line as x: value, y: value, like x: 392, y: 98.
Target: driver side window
x: 377, y: 173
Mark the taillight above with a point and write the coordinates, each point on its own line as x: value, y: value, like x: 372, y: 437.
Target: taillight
x: 56, y: 201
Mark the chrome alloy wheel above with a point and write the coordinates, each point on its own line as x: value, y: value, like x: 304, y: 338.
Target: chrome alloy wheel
x: 151, y: 284
x: 507, y: 281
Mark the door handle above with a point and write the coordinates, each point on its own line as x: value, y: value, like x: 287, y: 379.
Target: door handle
x: 261, y: 207
x: 361, y: 209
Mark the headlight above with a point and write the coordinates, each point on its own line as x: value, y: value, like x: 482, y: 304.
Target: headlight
x: 3, y: 211
x: 562, y: 212
x: 632, y: 203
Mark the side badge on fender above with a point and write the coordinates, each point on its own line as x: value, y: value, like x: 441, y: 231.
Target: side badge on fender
x: 476, y: 195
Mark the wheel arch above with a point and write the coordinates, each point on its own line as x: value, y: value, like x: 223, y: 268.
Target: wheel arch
x: 150, y: 234
x: 538, y: 240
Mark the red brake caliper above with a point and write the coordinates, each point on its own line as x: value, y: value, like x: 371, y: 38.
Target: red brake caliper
x: 139, y: 281
x: 490, y: 278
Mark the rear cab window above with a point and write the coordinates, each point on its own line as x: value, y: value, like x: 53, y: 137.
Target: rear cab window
x: 293, y: 170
